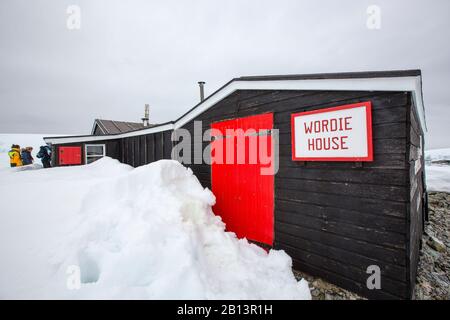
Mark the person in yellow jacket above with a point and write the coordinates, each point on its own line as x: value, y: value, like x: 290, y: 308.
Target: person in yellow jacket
x: 14, y: 156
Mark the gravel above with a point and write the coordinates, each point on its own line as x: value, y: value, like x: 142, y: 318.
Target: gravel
x: 433, y: 275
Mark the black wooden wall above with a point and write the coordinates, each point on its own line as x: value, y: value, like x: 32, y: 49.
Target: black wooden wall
x: 415, y: 215
x: 337, y: 218
x: 135, y: 151
x: 112, y: 149
x: 140, y: 150
x: 333, y: 218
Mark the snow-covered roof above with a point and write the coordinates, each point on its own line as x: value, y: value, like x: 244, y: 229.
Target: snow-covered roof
x: 407, y: 80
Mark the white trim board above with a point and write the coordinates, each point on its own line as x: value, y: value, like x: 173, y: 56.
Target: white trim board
x: 96, y: 124
x: 93, y: 145
x: 411, y: 84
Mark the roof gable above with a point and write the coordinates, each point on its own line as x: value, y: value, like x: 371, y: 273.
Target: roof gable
x: 108, y: 127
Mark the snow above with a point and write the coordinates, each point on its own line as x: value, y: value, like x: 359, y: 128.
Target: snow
x: 437, y: 175
x: 437, y: 154
x: 438, y: 178
x: 144, y: 233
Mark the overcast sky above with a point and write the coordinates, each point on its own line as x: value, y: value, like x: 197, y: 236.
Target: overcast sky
x: 128, y: 53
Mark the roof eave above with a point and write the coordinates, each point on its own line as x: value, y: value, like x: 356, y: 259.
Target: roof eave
x: 407, y: 81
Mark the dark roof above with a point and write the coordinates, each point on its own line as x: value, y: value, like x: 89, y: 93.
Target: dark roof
x: 340, y: 75
x: 117, y: 127
x: 318, y: 76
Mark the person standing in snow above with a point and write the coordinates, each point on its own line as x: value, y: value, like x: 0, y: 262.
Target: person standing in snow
x: 27, y: 158
x: 14, y: 156
x: 45, y: 154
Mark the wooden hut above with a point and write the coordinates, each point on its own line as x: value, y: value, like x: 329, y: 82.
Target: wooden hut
x: 349, y: 192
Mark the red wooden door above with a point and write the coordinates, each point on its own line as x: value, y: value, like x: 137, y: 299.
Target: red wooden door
x: 69, y: 155
x: 244, y: 195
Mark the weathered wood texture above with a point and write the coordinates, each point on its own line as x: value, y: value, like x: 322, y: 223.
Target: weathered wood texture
x: 336, y: 218
x: 112, y: 149
x: 140, y: 150
x: 333, y: 218
x: 135, y: 151
x: 415, y: 216
x: 98, y: 131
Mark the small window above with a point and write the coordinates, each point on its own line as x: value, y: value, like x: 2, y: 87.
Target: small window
x: 94, y: 152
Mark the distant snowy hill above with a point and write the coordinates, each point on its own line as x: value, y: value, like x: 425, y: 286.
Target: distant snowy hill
x: 438, y: 178
x: 438, y: 175
x: 437, y: 154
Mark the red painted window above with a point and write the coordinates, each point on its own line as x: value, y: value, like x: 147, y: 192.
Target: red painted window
x: 244, y: 196
x: 69, y: 155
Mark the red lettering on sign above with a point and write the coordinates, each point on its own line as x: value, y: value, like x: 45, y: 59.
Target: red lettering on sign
x: 347, y: 123
x: 311, y: 144
x: 326, y: 144
x: 308, y: 129
x: 343, y: 142
x: 316, y: 126
x: 325, y: 125
x: 333, y: 125
x: 328, y: 125
x: 335, y: 143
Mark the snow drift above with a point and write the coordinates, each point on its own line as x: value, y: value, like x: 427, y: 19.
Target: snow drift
x: 438, y: 178
x: 437, y: 154
x: 437, y: 175
x: 137, y: 233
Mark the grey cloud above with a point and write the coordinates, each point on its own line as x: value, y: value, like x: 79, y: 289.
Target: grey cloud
x: 128, y: 53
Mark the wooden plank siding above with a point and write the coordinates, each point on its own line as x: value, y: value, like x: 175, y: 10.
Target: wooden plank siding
x: 134, y: 151
x: 113, y: 149
x: 140, y: 150
x: 415, y: 214
x: 335, y: 218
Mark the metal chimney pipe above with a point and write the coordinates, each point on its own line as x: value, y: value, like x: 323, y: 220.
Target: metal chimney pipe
x: 146, y: 115
x: 202, y: 90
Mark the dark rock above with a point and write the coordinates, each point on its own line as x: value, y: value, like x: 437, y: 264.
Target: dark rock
x: 436, y: 244
x: 433, y: 275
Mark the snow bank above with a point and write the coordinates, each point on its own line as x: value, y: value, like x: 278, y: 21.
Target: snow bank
x: 137, y: 233
x: 437, y: 154
x: 438, y: 178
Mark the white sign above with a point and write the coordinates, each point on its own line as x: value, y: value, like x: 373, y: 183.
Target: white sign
x: 341, y: 133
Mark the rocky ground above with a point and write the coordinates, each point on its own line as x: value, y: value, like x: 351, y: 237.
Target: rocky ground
x: 433, y: 275
x: 322, y: 290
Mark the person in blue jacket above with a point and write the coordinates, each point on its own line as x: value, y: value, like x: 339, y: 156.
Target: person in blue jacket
x: 27, y: 158
x: 45, y: 154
